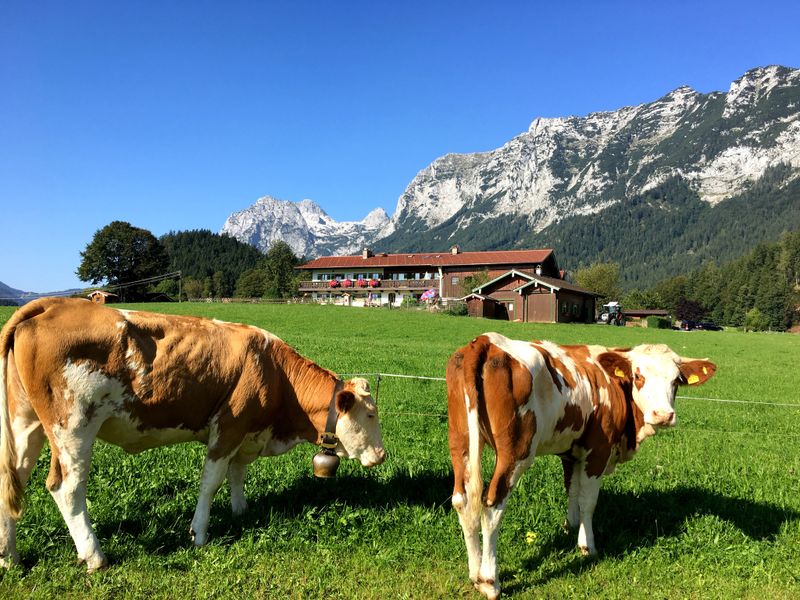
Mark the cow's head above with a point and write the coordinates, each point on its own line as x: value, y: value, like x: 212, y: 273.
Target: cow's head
x: 358, y: 428
x: 655, y: 372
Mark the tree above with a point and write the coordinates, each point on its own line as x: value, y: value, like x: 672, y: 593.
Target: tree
x: 755, y: 321
x: 602, y: 278
x: 193, y: 287
x: 121, y: 253
x: 642, y: 300
x: 689, y: 310
x: 470, y: 282
x: 251, y: 284
x: 279, y: 267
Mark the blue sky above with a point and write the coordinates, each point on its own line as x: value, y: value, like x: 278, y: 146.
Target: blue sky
x: 172, y: 115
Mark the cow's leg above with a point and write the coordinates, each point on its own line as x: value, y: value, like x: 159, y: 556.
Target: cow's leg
x: 572, y: 485
x: 223, y: 446
x: 506, y: 474
x: 587, y: 500
x: 466, y: 448
x: 71, y: 457
x: 467, y: 502
x: 28, y: 439
x: 236, y: 475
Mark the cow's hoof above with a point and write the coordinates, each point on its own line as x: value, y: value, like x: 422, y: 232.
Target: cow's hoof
x: 198, y: 539
x: 586, y: 551
x: 488, y: 588
x: 239, y: 508
x: 11, y: 560
x: 95, y: 563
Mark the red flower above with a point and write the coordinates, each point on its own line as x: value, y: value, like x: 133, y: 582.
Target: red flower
x: 334, y: 283
x: 361, y: 283
x: 347, y: 283
x: 373, y: 283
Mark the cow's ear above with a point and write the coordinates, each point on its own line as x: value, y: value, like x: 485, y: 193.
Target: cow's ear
x: 695, y: 372
x: 345, y: 400
x: 616, y: 365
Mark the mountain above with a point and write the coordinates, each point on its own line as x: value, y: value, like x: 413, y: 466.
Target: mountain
x: 304, y: 226
x: 9, y: 296
x: 660, y: 187
x: 13, y: 297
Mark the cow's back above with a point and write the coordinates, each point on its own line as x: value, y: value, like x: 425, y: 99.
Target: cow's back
x: 143, y: 371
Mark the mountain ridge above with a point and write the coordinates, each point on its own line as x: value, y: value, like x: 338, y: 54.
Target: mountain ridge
x: 702, y: 153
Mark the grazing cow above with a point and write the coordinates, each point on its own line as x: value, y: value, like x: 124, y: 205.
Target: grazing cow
x: 72, y: 371
x: 591, y: 406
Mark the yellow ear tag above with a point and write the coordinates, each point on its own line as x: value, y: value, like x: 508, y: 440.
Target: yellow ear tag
x: 692, y: 379
x: 705, y: 370
x: 619, y: 372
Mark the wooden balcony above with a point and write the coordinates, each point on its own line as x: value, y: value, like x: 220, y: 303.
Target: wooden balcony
x: 391, y: 285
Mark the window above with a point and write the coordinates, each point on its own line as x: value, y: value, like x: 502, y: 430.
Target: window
x: 454, y: 280
x: 376, y: 275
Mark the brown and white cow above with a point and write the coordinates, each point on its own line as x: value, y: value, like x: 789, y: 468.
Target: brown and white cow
x: 590, y: 405
x: 72, y: 371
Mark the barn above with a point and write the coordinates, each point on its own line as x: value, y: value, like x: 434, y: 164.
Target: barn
x: 520, y: 296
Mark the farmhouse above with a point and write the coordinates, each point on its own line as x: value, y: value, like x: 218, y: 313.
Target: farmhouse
x: 522, y: 285
x: 102, y: 297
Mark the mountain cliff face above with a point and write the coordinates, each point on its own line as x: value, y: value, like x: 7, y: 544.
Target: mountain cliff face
x: 303, y: 225
x: 658, y: 187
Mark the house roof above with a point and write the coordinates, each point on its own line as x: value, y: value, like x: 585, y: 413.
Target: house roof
x: 551, y: 282
x: 432, y: 259
x: 511, y: 273
x: 556, y: 284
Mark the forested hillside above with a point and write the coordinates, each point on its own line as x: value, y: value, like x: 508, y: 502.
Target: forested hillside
x: 213, y: 261
x: 760, y: 290
x: 670, y: 230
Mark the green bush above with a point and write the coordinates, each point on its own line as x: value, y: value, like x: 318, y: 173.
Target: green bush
x: 457, y: 310
x: 658, y: 323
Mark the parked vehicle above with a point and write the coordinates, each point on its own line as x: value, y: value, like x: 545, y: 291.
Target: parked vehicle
x: 700, y: 326
x: 612, y: 314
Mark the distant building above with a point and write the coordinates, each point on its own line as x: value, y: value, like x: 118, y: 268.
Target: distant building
x: 524, y: 285
x: 102, y: 297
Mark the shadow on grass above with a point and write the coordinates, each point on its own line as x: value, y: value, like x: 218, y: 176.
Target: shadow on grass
x: 163, y: 530
x: 624, y: 522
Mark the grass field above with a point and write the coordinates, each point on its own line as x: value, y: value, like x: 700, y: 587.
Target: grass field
x: 710, y: 509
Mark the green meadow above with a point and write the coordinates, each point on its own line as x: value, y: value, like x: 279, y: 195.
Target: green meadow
x: 709, y: 509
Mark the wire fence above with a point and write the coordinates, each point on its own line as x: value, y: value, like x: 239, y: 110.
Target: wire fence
x: 706, y: 431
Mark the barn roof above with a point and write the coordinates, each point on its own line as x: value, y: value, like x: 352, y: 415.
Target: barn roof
x: 432, y: 259
x: 551, y: 282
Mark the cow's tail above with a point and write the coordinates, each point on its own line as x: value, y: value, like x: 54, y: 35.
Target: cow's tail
x: 472, y: 369
x: 11, y: 490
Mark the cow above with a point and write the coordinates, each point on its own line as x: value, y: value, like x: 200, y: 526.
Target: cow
x: 592, y: 406
x: 72, y: 371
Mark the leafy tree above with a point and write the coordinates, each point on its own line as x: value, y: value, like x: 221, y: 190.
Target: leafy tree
x: 192, y: 287
x: 279, y: 269
x: 251, y: 284
x: 755, y: 321
x: 689, y: 310
x: 671, y: 291
x: 470, y: 282
x: 602, y: 278
x: 121, y: 253
x: 642, y: 300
